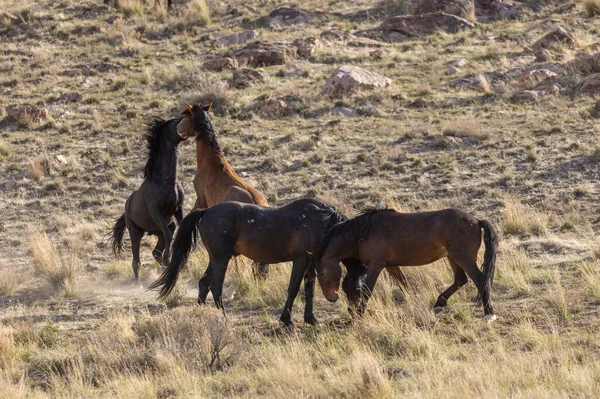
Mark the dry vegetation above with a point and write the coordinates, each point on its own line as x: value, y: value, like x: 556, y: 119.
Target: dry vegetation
x: 74, y: 325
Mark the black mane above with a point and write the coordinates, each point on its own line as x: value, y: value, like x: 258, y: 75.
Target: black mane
x: 154, y: 135
x: 358, y: 227
x: 205, y: 130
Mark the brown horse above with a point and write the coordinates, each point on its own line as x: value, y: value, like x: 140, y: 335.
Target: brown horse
x: 384, y: 238
x: 215, y: 179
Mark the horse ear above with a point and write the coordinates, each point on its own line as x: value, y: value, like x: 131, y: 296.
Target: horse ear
x: 310, y: 254
x: 207, y: 107
x: 188, y: 110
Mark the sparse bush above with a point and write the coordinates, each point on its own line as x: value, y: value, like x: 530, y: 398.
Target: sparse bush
x: 8, y: 283
x: 466, y: 127
x: 5, y: 150
x: 520, y: 220
x: 215, y: 91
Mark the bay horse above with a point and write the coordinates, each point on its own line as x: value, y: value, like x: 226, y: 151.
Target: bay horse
x: 266, y: 235
x: 384, y: 238
x: 215, y: 180
x: 154, y: 206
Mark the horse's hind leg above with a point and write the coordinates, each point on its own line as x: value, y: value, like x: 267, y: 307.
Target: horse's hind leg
x: 158, y: 250
x: 460, y: 279
x: 470, y: 267
x: 135, y: 234
x: 218, y: 269
x: 204, y: 285
x: 309, y: 293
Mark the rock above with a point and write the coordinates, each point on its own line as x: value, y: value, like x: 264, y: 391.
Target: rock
x: 237, y: 38
x: 591, y: 85
x: 345, y: 112
x: 535, y: 77
x: 558, y: 37
x: 272, y: 107
x: 306, y: 47
x: 498, y: 9
x: 419, y: 103
x: 419, y: 25
x: 453, y: 67
x: 71, y: 97
x: 376, y: 54
x: 289, y: 16
x: 525, y: 96
x: 61, y: 159
x: 347, y: 79
x: 383, y: 35
x: 246, y: 77
x: 336, y: 35
x: 219, y: 64
x: 25, y: 113
x: 265, y: 54
x: 586, y: 63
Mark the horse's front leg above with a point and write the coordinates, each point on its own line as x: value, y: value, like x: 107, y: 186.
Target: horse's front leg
x: 298, y: 270
x: 309, y: 293
x: 373, y: 271
x: 160, y: 221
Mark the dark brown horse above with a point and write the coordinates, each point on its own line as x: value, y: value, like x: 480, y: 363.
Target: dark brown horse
x: 154, y: 206
x: 266, y: 235
x: 215, y: 180
x: 385, y: 238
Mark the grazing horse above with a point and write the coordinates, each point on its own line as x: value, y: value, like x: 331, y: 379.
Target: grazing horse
x: 158, y: 201
x: 267, y: 235
x: 385, y: 238
x: 215, y: 180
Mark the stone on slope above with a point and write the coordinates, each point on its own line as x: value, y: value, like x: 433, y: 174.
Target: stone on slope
x: 246, y: 77
x: 591, y: 85
x: 237, y: 38
x: 289, y: 16
x: 420, y: 25
x: 348, y: 79
x: 265, y: 54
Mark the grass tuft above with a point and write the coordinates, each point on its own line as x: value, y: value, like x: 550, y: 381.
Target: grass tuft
x: 592, y: 7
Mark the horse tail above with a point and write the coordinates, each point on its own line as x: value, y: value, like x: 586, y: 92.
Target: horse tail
x: 116, y: 235
x: 185, y: 241
x: 490, y: 239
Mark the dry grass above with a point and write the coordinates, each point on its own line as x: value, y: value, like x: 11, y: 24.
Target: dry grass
x: 61, y: 272
x: 116, y: 340
x: 521, y: 220
x: 592, y: 7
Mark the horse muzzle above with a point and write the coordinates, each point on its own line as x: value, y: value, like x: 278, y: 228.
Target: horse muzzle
x: 333, y: 297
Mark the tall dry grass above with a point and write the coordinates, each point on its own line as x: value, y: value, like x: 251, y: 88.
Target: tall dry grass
x: 60, y: 271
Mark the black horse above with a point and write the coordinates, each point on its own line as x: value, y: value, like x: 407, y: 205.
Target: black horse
x: 158, y: 201
x: 265, y: 235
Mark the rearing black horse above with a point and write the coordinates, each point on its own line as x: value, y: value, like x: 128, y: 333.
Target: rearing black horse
x: 158, y: 201
x: 265, y: 235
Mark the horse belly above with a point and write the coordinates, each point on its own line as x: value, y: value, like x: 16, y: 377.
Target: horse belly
x: 415, y: 255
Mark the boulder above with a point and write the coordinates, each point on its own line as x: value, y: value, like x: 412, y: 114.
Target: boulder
x: 265, y: 54
x: 272, y: 107
x: 289, y: 16
x: 495, y: 10
x: 586, y: 63
x: 345, y: 112
x: 556, y: 38
x: 246, y: 77
x: 536, y: 77
x: 591, y: 85
x: 237, y: 38
x: 420, y: 25
x: 347, y: 79
x: 25, y: 113
x: 453, y: 67
x: 306, y: 47
x: 525, y: 96
x: 70, y: 97
x: 219, y: 64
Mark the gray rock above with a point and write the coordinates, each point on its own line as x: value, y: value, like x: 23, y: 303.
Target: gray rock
x: 237, y: 38
x: 345, y: 112
x: 348, y: 79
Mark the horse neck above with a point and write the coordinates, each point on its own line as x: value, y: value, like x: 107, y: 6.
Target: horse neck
x: 164, y: 170
x: 207, y: 157
x: 341, y: 246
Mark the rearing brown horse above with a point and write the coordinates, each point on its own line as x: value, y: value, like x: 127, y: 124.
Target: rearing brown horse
x: 385, y: 238
x: 215, y: 180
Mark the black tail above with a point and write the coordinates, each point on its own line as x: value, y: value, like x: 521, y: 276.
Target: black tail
x: 116, y: 235
x: 490, y: 239
x: 185, y: 241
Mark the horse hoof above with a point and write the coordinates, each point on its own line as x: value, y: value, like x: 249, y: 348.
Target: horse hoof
x: 288, y: 326
x: 438, y: 309
x: 311, y: 320
x: 488, y: 318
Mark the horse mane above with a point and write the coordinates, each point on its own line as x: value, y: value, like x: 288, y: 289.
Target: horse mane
x: 206, y: 131
x: 152, y: 136
x: 358, y: 227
